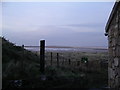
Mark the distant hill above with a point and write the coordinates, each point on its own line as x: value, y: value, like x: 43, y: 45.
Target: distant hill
x: 17, y: 62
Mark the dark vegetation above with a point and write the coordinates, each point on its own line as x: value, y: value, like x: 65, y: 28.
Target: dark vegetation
x: 17, y: 63
x: 20, y: 69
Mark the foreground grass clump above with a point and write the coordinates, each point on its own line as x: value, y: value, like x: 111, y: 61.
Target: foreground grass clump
x: 66, y: 78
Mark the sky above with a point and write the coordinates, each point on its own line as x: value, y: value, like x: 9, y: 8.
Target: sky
x: 79, y: 24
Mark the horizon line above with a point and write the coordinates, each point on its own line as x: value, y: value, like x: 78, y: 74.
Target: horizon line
x: 56, y: 46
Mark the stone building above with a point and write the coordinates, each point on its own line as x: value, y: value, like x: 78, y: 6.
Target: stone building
x: 113, y: 32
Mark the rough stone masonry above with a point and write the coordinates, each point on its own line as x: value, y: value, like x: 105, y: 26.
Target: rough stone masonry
x: 113, y: 33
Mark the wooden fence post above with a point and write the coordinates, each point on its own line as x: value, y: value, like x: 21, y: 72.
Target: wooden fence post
x: 57, y: 59
x: 42, y: 56
x: 63, y: 62
x: 22, y: 66
x: 51, y: 58
x: 23, y: 46
x: 69, y: 61
x: 78, y: 63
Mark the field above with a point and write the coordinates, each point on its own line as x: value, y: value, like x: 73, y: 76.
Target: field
x: 21, y: 68
x: 68, y: 67
x: 73, y: 59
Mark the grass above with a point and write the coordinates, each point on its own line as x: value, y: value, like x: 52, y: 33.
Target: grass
x: 96, y: 61
x: 20, y: 64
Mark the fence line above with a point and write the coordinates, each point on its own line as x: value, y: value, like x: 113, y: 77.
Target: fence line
x: 59, y: 59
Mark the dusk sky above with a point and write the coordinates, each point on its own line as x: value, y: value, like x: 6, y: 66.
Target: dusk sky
x: 80, y: 24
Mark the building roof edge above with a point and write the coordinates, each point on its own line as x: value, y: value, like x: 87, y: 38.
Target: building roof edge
x: 112, y: 15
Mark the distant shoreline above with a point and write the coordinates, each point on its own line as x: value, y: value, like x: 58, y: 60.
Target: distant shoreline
x: 67, y: 49
x: 96, y: 48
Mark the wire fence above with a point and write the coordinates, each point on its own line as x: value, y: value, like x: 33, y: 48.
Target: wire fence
x: 56, y: 59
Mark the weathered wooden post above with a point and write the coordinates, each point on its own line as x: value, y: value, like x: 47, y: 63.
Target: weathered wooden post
x: 42, y: 56
x: 78, y: 63
x: 69, y: 61
x: 51, y: 58
x: 63, y: 62
x: 57, y: 59
x: 23, y: 46
x: 22, y: 66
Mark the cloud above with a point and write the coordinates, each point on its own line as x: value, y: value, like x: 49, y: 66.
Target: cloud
x: 84, y: 27
x: 57, y: 35
x: 61, y: 23
x: 52, y: 30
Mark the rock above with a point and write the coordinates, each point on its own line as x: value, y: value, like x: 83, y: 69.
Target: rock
x: 116, y: 61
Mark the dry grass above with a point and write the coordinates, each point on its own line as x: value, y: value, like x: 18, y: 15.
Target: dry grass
x: 96, y: 60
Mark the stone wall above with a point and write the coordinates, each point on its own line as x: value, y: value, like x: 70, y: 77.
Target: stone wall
x: 114, y: 51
